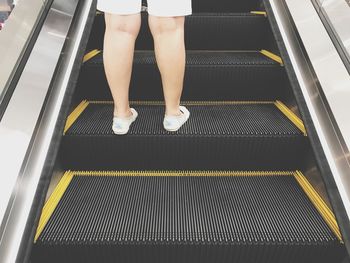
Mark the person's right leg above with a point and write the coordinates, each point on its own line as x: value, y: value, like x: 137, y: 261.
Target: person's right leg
x: 166, y: 22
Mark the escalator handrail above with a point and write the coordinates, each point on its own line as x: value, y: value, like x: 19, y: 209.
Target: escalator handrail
x: 30, y: 121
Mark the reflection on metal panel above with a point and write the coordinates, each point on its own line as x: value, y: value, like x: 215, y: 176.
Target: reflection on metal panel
x: 18, y: 127
x: 338, y: 16
x: 6, y: 5
x: 14, y: 38
x: 328, y: 66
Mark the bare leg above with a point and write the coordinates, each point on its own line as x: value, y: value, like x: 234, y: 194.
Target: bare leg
x: 119, y: 43
x: 168, y: 35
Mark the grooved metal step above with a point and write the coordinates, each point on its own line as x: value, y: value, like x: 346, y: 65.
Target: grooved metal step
x: 218, y: 135
x: 222, y: 5
x: 225, y: 6
x: 193, y: 216
x: 205, y: 31
x: 210, y: 75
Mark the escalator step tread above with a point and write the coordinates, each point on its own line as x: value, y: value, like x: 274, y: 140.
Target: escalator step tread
x: 258, y: 119
x: 183, y: 209
x: 225, y: 6
x: 210, y: 75
x: 200, y: 58
x: 222, y: 5
x: 222, y: 14
x: 205, y: 31
x: 233, y: 136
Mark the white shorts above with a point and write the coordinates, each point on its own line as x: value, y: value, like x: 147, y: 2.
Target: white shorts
x: 167, y: 8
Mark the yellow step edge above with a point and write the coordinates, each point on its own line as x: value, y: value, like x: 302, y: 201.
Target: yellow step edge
x: 188, y: 103
x: 75, y: 115
x: 91, y: 54
x: 272, y: 56
x: 52, y: 202
x: 266, y: 53
x: 263, y: 13
x: 320, y: 205
x: 182, y: 173
x: 291, y: 116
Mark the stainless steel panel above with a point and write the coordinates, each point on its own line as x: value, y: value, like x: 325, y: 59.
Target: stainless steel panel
x: 333, y: 127
x: 338, y: 13
x: 6, y: 5
x: 19, y: 120
x: 332, y: 76
x: 14, y: 38
x: 26, y: 131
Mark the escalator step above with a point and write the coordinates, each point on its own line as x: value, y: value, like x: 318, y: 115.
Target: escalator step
x: 196, y: 216
x: 219, y: 135
x: 205, y: 31
x: 210, y: 75
x: 225, y: 5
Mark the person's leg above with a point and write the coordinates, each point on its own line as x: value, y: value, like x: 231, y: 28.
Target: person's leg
x: 167, y: 22
x: 168, y: 35
x: 119, y: 43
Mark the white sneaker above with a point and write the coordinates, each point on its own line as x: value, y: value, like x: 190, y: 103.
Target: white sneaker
x: 173, y: 123
x: 121, y: 125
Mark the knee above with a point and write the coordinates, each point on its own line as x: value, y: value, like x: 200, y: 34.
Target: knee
x: 117, y: 24
x: 163, y: 25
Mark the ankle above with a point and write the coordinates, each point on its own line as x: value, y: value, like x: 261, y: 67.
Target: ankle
x: 173, y: 111
x: 122, y: 113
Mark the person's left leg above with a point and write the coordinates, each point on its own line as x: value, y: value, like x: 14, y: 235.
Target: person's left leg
x: 169, y: 46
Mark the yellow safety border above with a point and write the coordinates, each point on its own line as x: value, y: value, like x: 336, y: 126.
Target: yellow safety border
x: 188, y: 103
x: 272, y: 56
x: 91, y: 54
x: 172, y: 173
x: 262, y: 13
x: 266, y: 53
x: 75, y: 115
x: 52, y: 202
x: 291, y: 116
x: 314, y: 197
x: 282, y: 107
x: 318, y: 202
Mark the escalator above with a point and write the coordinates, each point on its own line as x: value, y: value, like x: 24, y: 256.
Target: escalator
x: 229, y: 186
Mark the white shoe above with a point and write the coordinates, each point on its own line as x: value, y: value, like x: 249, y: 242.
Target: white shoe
x: 173, y: 123
x: 121, y: 125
